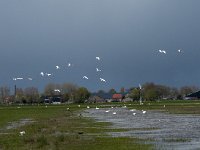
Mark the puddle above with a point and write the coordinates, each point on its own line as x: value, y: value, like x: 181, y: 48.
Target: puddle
x: 17, y: 124
x: 165, y: 131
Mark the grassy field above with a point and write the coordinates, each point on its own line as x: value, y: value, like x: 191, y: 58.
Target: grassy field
x: 174, y: 107
x: 56, y: 127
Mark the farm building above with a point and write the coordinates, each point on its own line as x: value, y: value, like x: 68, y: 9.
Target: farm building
x: 117, y: 97
x: 52, y: 100
x: 105, y: 97
x: 195, y: 95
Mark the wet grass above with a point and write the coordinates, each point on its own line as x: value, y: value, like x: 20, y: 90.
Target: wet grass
x: 56, y: 127
x: 174, y: 107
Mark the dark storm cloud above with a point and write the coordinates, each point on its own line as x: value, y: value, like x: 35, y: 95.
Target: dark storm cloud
x: 38, y: 35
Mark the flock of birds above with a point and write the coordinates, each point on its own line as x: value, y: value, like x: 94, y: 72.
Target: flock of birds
x: 114, y: 112
x: 84, y: 77
x: 57, y: 67
x: 165, y: 52
x: 97, y: 70
x: 131, y: 110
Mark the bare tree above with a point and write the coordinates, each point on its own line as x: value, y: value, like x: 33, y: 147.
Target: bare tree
x: 174, y: 93
x: 19, y: 97
x: 49, y: 89
x: 31, y: 94
x: 185, y: 90
x: 69, y: 90
x: 4, y: 93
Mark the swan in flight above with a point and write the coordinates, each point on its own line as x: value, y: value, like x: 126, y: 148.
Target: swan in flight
x: 103, y: 80
x: 97, y: 69
x: 85, y: 77
x: 69, y: 65
x: 162, y: 51
x: 57, y: 67
x: 48, y: 74
x: 17, y: 79
x: 97, y: 58
x: 180, y: 51
x: 42, y: 74
x: 57, y: 90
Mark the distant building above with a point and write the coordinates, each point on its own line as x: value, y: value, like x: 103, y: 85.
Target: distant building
x: 52, y: 100
x: 195, y: 95
x: 117, y: 97
x: 56, y: 100
x: 107, y: 97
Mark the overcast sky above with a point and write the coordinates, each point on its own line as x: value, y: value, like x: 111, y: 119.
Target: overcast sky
x: 37, y: 35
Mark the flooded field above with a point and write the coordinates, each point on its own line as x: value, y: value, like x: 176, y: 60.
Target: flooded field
x: 164, y: 130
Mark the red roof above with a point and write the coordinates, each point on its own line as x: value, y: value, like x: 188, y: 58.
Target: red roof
x: 117, y: 96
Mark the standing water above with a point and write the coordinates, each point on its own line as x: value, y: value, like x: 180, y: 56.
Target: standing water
x: 165, y: 131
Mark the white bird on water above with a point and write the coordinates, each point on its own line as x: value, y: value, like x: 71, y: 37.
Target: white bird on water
x: 97, y: 107
x: 85, y: 77
x: 107, y: 111
x: 144, y: 112
x: 134, y: 114
x: 132, y: 109
x: 114, y: 113
x: 103, y: 80
x: 97, y: 58
x: 88, y: 107
x: 22, y: 133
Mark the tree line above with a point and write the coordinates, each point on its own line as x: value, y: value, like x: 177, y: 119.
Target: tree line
x: 152, y: 92
x: 69, y: 92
